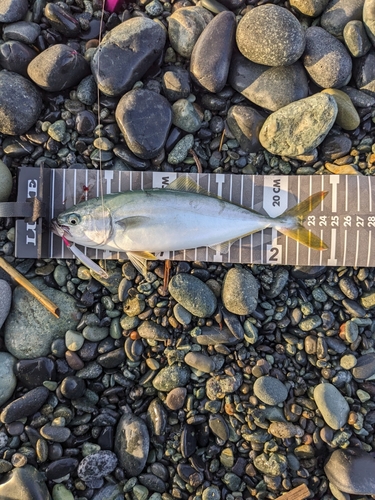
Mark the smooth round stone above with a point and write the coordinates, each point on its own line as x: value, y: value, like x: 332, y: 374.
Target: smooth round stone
x: 270, y: 390
x: 86, y: 122
x: 175, y: 399
x: 61, y: 20
x: 348, y: 361
x: 193, y: 294
x: 270, y: 35
x: 356, y: 39
x: 338, y: 13
x: 55, y: 433
x: 211, y: 493
x: 269, y: 87
x: 364, y: 72
x: 8, y: 380
x: 285, y: 430
x: 240, y: 291
x: 12, y: 10
x: 332, y: 405
x: 5, y: 289
x: 60, y: 492
x: 210, y: 59
x: 365, y: 367
x: 182, y: 315
x: 211, y: 335
x: 185, y: 116
x: 20, y: 103
x: 144, y: 118
x: 326, y: 59
x: 135, y: 44
x: 311, y: 8
x: 347, y: 116
x: 95, y: 333
x: 171, y: 377
x: 351, y: 470
x: 24, y: 406
x: 58, y: 68
x: 176, y: 83
x: 132, y: 443
x: 74, y: 340
x: 22, y: 32
x: 73, y: 387
x: 30, y: 329
x: 95, y: 466
x: 245, y: 124
x: 16, y: 56
x: 335, y: 146
x: 219, y: 387
x: 156, y: 417
x: 369, y: 19
x: 33, y: 372
x: 185, y: 26
x: 299, y: 127
x: 60, y: 468
x: 181, y: 150
x: 150, y: 330
x: 24, y: 483
x: 87, y: 91
x: 200, y: 362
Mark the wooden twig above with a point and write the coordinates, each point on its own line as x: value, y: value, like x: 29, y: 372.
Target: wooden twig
x: 222, y: 140
x: 299, y: 493
x: 21, y: 280
x: 197, y: 161
x: 167, y: 270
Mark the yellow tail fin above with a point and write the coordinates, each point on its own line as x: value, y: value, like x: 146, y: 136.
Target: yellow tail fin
x: 299, y: 212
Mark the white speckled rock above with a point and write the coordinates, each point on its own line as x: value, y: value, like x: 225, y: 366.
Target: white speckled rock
x: 332, y: 405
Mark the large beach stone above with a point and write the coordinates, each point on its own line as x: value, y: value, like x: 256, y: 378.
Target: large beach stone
x: 16, y: 56
x: 24, y: 483
x: 352, y: 471
x: 126, y: 53
x: 271, y: 88
x: 338, y: 13
x: 326, y: 59
x: 30, y: 329
x: 210, y: 59
x: 12, y: 10
x: 185, y: 26
x: 240, y: 291
x: 369, y: 19
x: 132, y: 444
x: 364, y: 72
x: 20, y: 103
x: 58, y: 68
x: 332, y: 405
x: 270, y: 390
x: 311, y: 8
x: 299, y: 127
x: 144, y: 118
x: 356, y: 38
x: 270, y: 35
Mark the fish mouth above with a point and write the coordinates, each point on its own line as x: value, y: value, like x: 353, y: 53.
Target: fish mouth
x: 59, y: 229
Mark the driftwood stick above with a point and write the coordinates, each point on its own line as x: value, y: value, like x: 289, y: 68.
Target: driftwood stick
x: 21, y: 280
x: 299, y: 493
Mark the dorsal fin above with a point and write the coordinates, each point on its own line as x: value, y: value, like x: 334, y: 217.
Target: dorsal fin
x: 187, y: 184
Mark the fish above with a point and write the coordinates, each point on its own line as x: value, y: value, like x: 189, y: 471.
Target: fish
x: 179, y: 217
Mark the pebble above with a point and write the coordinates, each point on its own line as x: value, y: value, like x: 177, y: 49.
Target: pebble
x: 24, y: 406
x: 273, y: 464
x: 240, y: 291
x: 153, y: 331
x: 22, y: 31
x: 364, y: 72
x: 16, y: 56
x: 356, y: 38
x: 5, y: 289
x: 176, y: 83
x: 270, y: 390
x: 95, y: 466
x: 200, y: 362
x: 338, y: 13
x: 332, y: 405
x: 58, y: 68
x: 132, y: 443
x: 270, y: 35
x: 170, y: 377
x: 365, y: 367
x: 74, y: 340
x: 311, y: 8
x: 285, y: 430
x: 61, y: 468
x: 33, y: 372
x: 350, y: 470
x: 369, y: 19
x: 193, y: 294
x: 55, y: 433
x: 136, y: 43
x: 181, y: 150
x: 211, y: 56
x: 154, y: 113
x: 26, y: 479
x: 12, y: 10
x: 245, y: 124
x: 185, y: 116
x: 299, y: 127
x: 219, y: 386
x: 175, y: 399
x: 214, y: 335
x: 61, y: 20
x: 8, y: 380
x: 347, y: 116
x: 326, y: 59
x: 73, y: 387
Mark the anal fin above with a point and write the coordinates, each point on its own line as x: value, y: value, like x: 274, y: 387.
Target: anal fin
x: 139, y: 260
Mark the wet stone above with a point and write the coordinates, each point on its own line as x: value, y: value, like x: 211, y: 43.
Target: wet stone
x: 156, y: 417
x: 24, y: 406
x: 61, y: 20
x: 171, y: 377
x: 33, y: 372
x: 176, y: 398
x: 95, y: 466
x: 132, y: 444
x: 270, y: 390
x: 245, y: 124
x: 332, y: 405
x: 60, y: 468
x: 240, y: 291
x: 194, y: 295
x: 26, y: 479
x: 72, y: 387
x: 200, y: 362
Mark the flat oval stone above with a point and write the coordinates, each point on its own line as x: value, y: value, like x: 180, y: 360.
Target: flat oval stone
x: 20, y: 103
x: 299, y: 127
x: 270, y: 390
x: 132, y: 443
x: 311, y: 8
x: 12, y: 10
x: 240, y: 291
x: 176, y: 398
x: 364, y: 72
x: 61, y: 467
x: 326, y: 59
x: 210, y: 59
x: 185, y: 116
x: 269, y: 87
x: 33, y: 372
x: 211, y: 335
x: 157, y: 417
x: 144, y: 118
x: 365, y: 367
x: 96, y: 465
x: 26, y: 482
x: 8, y: 379
x: 193, y: 294
x: 200, y: 362
x: 347, y: 116
x: 16, y: 56
x: 61, y: 20
x: 152, y: 331
x: 55, y: 433
x: 22, y: 32
x: 176, y: 83
x: 135, y: 44
x: 270, y: 35
x: 24, y: 406
x: 356, y: 39
x: 332, y: 405
x: 185, y: 26
x: 338, y: 13
x: 351, y: 470
x: 369, y: 19
x: 245, y: 124
x: 58, y: 68
x: 171, y: 377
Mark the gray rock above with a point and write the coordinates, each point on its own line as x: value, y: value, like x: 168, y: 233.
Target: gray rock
x: 369, y: 19
x: 299, y: 127
x: 22, y: 32
x: 285, y: 430
x: 170, y: 377
x: 211, y: 335
x: 326, y: 59
x: 270, y: 390
x: 332, y: 405
x: 364, y: 72
x: 136, y: 44
x: 338, y: 13
x: 270, y: 35
x: 360, y: 99
x: 245, y: 124
x: 219, y: 386
x: 352, y: 471
x: 356, y: 39
x: 185, y: 116
x: 144, y: 118
x: 273, y: 464
x: 176, y: 398
x: 20, y: 103
x: 95, y: 466
x: 311, y: 8
x: 210, y: 59
x: 185, y: 26
x: 25, y: 405
x: 16, y: 56
x: 365, y: 367
x: 5, y: 290
x: 8, y: 380
x: 193, y: 294
x: 200, y: 362
x: 12, y: 10
x: 24, y: 483
x: 87, y: 91
x: 240, y: 291
x: 181, y: 150
x: 30, y: 329
x: 152, y: 331
x: 176, y: 83
x: 107, y: 492
x: 132, y: 443
x: 58, y: 68
x: 269, y: 87
x: 278, y: 284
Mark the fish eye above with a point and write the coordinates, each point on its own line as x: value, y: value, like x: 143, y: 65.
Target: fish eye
x: 73, y: 220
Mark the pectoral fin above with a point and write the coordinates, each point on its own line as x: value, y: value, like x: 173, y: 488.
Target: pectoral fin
x: 131, y: 222
x: 139, y: 260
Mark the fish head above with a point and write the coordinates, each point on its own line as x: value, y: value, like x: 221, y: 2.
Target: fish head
x: 88, y: 224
